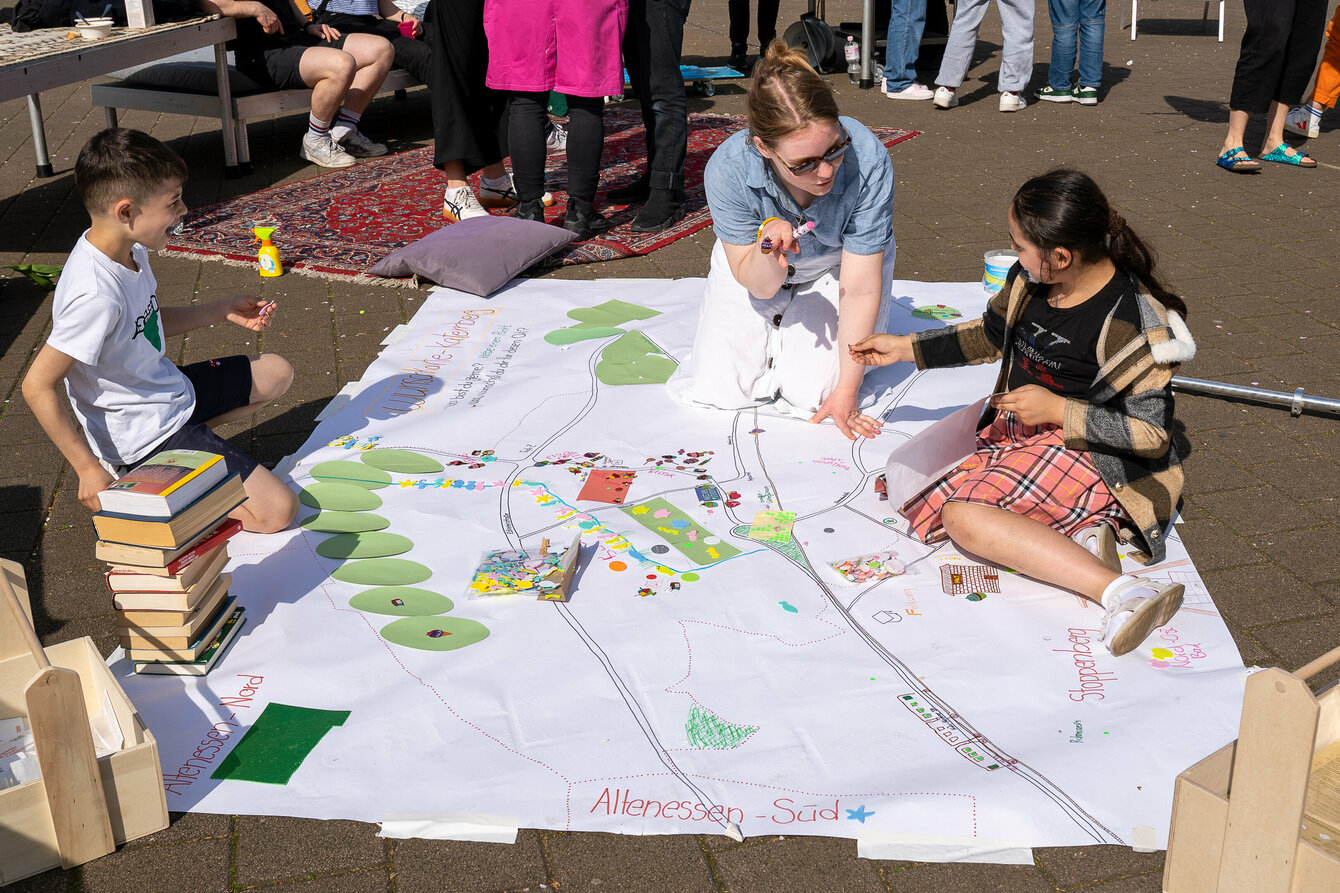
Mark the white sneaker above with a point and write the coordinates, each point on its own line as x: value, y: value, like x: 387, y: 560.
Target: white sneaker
x: 556, y: 138
x: 1134, y: 609
x: 460, y: 204
x: 359, y: 146
x: 505, y: 197
x: 1011, y: 102
x: 911, y: 91
x: 1102, y: 543
x: 1301, y: 121
x: 319, y: 148
x: 945, y: 98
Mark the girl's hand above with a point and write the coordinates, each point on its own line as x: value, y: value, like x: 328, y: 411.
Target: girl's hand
x: 417, y: 30
x: 1033, y: 405
x: 841, y: 408
x: 249, y: 313
x: 778, y: 239
x: 881, y: 350
x: 324, y: 32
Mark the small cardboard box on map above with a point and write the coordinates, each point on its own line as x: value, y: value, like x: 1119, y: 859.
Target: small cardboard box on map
x: 132, y: 782
x: 545, y: 573
x: 1263, y: 812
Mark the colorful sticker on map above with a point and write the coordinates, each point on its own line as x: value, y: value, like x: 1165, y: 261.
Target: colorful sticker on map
x: 941, y: 312
x: 771, y: 526
x: 864, y: 568
x: 508, y: 570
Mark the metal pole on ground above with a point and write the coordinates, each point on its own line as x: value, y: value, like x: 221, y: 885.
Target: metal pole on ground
x: 1297, y: 401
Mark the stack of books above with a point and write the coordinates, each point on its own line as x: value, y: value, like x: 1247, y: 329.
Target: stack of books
x: 163, y: 529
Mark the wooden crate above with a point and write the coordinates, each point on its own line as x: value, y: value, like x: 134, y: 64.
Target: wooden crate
x: 131, y: 778
x: 1262, y: 815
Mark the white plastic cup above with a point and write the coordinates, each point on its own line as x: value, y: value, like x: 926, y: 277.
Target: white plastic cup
x: 996, y: 264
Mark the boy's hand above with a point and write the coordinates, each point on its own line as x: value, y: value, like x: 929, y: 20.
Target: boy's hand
x: 92, y: 482
x: 881, y: 350
x: 249, y: 312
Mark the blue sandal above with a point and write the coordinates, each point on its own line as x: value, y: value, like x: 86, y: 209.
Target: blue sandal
x: 1286, y: 154
x: 1238, y: 161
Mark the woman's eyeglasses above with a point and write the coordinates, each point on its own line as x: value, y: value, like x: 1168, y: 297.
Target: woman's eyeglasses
x: 809, y: 164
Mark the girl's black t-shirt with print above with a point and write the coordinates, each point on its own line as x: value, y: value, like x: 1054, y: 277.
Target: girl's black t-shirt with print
x: 1058, y: 348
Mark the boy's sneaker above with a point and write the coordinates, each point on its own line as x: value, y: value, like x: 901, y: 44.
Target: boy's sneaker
x: 359, y: 146
x: 1102, y: 543
x: 1303, y: 122
x: 505, y: 196
x: 1011, y: 102
x: 460, y: 204
x: 319, y: 148
x: 945, y: 98
x: 556, y: 139
x: 1133, y: 608
x: 1084, y: 95
x: 1051, y: 94
x: 911, y: 91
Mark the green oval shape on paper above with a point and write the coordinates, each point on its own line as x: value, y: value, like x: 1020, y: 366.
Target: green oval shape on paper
x: 364, y: 545
x: 401, y: 461
x: 355, y: 473
x: 345, y: 522
x: 412, y: 602
x: 382, y: 572
x: 573, y: 334
x: 339, y: 497
x: 434, y: 633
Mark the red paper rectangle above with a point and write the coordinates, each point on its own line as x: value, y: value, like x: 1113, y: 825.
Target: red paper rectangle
x: 604, y: 485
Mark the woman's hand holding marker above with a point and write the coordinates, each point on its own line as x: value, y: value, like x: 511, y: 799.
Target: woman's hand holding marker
x: 778, y: 237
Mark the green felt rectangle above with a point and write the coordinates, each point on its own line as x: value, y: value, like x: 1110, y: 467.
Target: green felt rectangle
x: 275, y: 746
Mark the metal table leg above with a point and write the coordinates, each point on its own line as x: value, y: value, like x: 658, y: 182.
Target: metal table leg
x: 867, y: 43
x: 44, y: 168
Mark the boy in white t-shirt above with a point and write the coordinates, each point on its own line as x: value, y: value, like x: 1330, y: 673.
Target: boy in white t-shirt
x: 109, y: 332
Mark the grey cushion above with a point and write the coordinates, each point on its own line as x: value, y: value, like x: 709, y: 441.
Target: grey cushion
x: 479, y: 255
x: 191, y: 77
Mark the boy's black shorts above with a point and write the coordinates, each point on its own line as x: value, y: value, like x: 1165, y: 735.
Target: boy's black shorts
x: 274, y: 63
x: 221, y: 385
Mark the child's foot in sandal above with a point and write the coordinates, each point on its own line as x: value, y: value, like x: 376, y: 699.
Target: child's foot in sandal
x: 1287, y: 154
x: 1102, y: 543
x: 1238, y: 161
x: 1133, y: 608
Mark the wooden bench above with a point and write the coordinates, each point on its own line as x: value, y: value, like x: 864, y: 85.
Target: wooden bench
x: 246, y: 104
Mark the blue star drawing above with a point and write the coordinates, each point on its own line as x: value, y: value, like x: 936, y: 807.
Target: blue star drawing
x: 859, y: 814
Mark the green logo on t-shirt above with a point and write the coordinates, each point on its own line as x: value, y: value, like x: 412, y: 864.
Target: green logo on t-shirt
x: 148, y: 324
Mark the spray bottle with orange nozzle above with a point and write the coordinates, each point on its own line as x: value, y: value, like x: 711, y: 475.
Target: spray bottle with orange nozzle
x: 268, y: 255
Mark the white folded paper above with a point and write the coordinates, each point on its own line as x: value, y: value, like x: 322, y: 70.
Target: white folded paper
x: 929, y: 454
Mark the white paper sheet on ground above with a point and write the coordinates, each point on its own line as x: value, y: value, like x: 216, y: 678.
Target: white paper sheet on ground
x: 697, y: 677
x: 924, y: 458
x: 926, y: 848
x: 451, y: 826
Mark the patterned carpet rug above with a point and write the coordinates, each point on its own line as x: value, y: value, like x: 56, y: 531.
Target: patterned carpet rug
x: 339, y: 224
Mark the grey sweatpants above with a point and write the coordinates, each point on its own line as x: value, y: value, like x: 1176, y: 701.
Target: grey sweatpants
x: 1016, y: 63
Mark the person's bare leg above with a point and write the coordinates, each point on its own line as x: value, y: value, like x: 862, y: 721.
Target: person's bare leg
x: 455, y: 172
x: 271, y: 505
x: 1027, y: 546
x: 1237, y: 130
x: 373, y: 57
x: 329, y: 72
x: 1274, y: 126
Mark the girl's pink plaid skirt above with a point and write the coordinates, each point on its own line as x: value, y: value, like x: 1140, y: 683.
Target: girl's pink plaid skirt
x: 1026, y: 469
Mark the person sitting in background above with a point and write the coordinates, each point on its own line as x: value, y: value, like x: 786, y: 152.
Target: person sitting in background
x: 403, y: 31
x: 277, y: 48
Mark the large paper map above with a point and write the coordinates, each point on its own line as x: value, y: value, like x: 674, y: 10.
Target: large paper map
x: 698, y: 679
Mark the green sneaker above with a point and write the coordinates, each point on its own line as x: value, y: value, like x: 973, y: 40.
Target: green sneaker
x: 1051, y: 94
x: 1084, y: 95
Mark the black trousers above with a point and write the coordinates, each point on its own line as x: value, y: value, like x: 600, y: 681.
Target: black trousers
x: 1279, y: 51
x: 739, y: 22
x: 528, y: 117
x: 469, y: 122
x: 651, y: 48
x: 415, y: 56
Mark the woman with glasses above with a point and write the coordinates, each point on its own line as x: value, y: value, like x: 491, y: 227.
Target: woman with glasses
x: 802, y: 206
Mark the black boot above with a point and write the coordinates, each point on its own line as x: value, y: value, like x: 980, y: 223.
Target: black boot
x: 634, y: 191
x: 664, y: 208
x: 739, y: 58
x: 531, y: 210
x: 584, y: 220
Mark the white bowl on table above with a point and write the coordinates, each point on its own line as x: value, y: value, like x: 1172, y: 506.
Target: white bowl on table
x: 94, y: 29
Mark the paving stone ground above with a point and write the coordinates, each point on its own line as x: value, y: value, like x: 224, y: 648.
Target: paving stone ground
x: 1254, y: 255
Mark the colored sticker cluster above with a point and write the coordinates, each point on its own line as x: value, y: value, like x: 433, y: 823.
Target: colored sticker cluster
x: 864, y: 568
x: 508, y: 571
